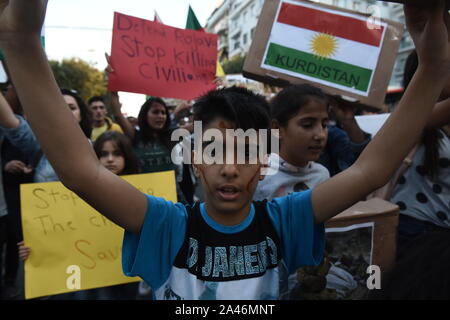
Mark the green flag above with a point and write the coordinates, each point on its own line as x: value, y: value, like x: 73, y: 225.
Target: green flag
x: 192, y: 22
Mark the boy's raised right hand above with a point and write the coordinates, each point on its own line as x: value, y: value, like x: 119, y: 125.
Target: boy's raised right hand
x: 21, y: 18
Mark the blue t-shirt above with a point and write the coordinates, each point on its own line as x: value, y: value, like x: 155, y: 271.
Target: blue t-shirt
x: 182, y: 253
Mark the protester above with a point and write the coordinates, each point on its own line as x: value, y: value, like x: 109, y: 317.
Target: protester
x: 423, y: 191
x: 189, y: 185
x: 16, y: 171
x: 100, y: 120
x: 179, y: 250
x: 3, y: 221
x: 421, y: 273
x: 134, y: 122
x: 179, y: 115
x: 300, y: 113
x: 18, y: 131
x: 116, y: 153
x: 152, y: 142
x: 346, y: 140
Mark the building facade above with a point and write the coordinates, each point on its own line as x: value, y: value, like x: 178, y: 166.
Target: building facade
x: 235, y: 22
x: 218, y: 24
x: 244, y: 15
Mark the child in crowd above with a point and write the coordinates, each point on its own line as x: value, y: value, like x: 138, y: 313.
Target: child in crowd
x: 346, y: 140
x: 300, y: 113
x: 115, y: 153
x: 227, y: 247
x: 152, y: 142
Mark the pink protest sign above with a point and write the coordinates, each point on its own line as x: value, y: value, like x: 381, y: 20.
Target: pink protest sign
x: 154, y: 59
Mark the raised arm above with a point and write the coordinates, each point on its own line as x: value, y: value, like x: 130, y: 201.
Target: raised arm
x: 69, y: 151
x: 116, y: 108
x: 7, y: 118
x: 440, y: 115
x: 383, y: 155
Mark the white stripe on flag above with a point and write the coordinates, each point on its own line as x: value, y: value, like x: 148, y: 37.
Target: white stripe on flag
x: 348, y: 51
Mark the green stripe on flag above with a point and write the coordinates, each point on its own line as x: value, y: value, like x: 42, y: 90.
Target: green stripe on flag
x: 320, y: 68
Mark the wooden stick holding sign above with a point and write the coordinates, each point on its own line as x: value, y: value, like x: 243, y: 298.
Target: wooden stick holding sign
x: 329, y: 47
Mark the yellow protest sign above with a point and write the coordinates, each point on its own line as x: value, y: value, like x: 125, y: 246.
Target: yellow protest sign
x: 73, y: 247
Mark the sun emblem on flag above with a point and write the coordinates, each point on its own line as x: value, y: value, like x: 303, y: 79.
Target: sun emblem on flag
x: 323, y: 45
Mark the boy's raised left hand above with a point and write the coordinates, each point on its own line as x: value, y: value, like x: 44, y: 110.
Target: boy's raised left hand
x: 428, y: 23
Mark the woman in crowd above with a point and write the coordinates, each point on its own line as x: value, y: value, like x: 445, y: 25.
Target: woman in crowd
x: 18, y: 131
x: 423, y: 191
x: 152, y: 142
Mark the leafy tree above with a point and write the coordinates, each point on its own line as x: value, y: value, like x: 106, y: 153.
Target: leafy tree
x: 234, y: 65
x: 78, y: 75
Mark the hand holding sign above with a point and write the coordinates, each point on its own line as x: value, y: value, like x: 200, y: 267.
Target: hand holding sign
x: 108, y: 68
x: 159, y: 60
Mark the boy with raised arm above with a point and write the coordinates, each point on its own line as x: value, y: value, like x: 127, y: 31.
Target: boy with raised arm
x: 227, y: 247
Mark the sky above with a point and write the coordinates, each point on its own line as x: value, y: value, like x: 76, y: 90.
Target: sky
x: 82, y: 29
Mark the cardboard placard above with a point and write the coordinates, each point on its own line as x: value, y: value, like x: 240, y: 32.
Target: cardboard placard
x: 154, y: 59
x: 384, y: 215
x: 73, y: 247
x: 295, y: 43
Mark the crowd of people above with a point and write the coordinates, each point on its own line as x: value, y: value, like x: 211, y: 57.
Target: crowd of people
x: 325, y: 164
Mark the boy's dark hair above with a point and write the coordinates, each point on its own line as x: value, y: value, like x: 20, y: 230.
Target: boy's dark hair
x: 291, y: 99
x: 244, y: 108
x: 123, y: 143
x: 95, y: 99
x: 431, y: 136
x: 85, y: 122
x: 147, y: 134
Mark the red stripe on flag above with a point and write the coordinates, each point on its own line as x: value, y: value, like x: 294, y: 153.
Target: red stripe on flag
x: 326, y: 22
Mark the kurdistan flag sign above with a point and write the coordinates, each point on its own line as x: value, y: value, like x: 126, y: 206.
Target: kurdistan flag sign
x: 326, y: 46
